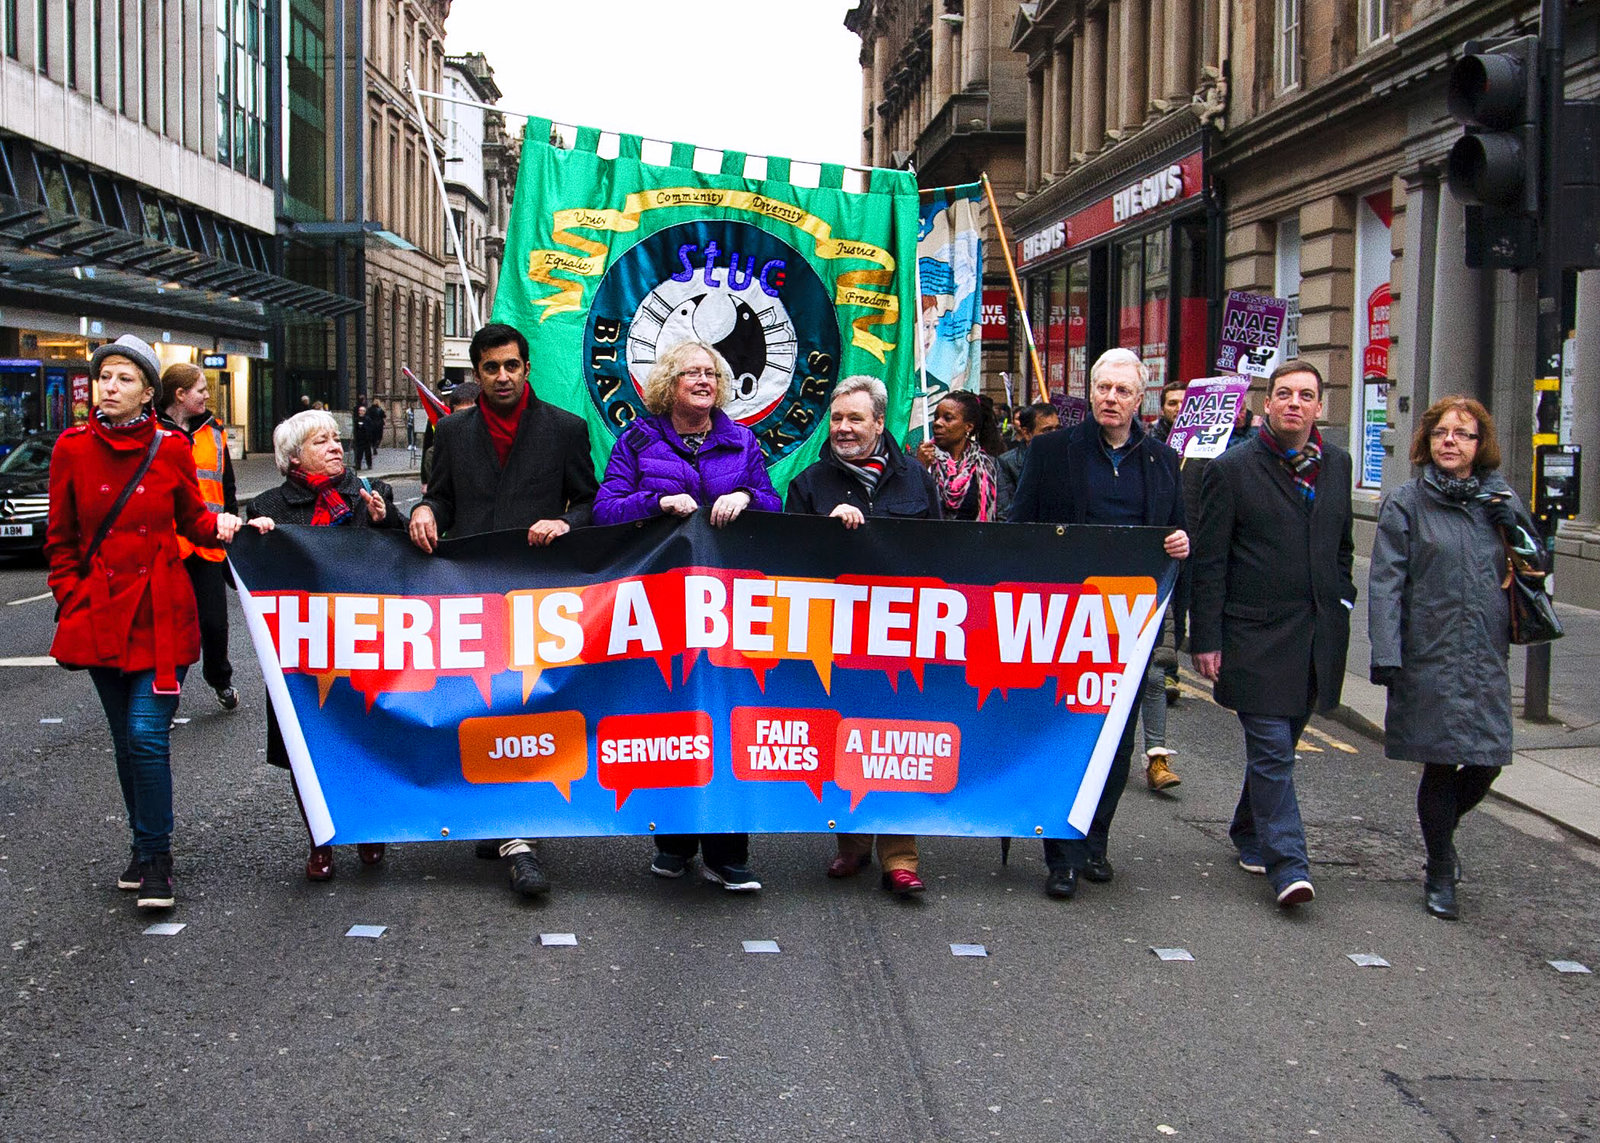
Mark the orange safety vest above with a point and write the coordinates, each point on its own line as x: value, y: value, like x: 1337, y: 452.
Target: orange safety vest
x: 210, y: 457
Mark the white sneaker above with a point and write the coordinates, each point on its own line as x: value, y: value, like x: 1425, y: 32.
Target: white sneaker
x: 1296, y: 893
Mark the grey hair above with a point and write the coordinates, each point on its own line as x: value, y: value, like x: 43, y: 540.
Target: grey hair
x: 293, y: 433
x: 862, y: 383
x: 1119, y: 357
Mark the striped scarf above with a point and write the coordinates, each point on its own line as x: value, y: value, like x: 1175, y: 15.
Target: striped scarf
x: 869, y: 469
x: 1303, y: 464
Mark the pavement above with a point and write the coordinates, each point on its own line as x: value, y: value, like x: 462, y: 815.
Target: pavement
x: 1556, y: 768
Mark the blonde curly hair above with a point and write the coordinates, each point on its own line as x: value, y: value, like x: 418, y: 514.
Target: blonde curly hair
x: 661, y: 383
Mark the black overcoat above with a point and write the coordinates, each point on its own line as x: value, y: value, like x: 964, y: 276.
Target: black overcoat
x: 1271, y: 581
x: 1054, y: 486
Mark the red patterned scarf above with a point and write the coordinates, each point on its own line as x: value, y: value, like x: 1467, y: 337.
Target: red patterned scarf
x: 330, y: 508
x: 503, y: 426
x: 1303, y: 464
x: 955, y: 478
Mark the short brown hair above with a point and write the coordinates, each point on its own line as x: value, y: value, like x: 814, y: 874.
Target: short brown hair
x: 1295, y: 365
x: 1488, y: 456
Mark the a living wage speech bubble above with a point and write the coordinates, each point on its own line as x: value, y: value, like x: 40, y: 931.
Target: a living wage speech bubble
x: 889, y: 754
x: 653, y: 751
x: 783, y: 744
x: 551, y: 747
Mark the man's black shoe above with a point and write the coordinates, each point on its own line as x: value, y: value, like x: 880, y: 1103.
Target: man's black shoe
x: 1097, y: 869
x: 227, y: 698
x: 527, y: 875
x: 1061, y: 883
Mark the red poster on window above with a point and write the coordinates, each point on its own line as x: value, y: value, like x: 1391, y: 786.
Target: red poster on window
x: 1375, y: 361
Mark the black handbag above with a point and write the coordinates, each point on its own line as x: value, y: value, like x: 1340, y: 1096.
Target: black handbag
x: 1527, y: 585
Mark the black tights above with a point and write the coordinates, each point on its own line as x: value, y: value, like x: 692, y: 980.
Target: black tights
x: 1444, y: 796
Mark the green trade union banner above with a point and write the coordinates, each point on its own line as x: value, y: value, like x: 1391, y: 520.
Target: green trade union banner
x: 610, y: 262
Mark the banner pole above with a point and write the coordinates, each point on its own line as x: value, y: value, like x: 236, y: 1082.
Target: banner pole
x: 1016, y: 288
x: 444, y: 200
x: 922, y: 357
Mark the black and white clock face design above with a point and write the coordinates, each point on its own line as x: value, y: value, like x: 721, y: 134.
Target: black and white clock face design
x: 736, y: 287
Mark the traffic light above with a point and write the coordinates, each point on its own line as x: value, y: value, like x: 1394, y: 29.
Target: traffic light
x: 1494, y: 93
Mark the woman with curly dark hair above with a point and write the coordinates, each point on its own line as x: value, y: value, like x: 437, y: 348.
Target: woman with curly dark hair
x: 965, y: 472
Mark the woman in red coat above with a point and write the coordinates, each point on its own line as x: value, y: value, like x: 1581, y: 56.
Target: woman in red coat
x: 127, y: 611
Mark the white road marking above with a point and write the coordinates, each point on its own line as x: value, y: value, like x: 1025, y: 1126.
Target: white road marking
x: 31, y: 599
x: 28, y: 661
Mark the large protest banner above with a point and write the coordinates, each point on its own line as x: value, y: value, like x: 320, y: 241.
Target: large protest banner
x: 950, y: 298
x: 671, y: 677
x: 610, y: 261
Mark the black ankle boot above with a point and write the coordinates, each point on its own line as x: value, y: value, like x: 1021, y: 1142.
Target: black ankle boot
x: 1439, y: 891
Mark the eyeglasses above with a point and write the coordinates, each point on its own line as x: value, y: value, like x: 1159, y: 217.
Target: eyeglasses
x: 1121, y: 392
x: 698, y: 374
x: 1452, y: 435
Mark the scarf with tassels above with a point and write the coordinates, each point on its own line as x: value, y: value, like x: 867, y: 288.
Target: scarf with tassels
x: 955, y: 479
x: 1303, y: 463
x: 330, y: 508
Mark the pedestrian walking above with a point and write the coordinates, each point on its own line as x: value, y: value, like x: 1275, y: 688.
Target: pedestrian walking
x: 961, y: 464
x: 511, y: 461
x: 863, y: 472
x: 121, y: 492
x: 687, y: 454
x: 1270, y: 621
x: 1105, y: 470
x: 361, y: 437
x: 186, y: 392
x: 1440, y: 625
x: 375, y: 422
x: 318, y: 491
x: 1031, y: 421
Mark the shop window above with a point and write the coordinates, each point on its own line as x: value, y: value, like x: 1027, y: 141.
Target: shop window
x: 1078, y: 329
x: 1055, y: 368
x: 53, y: 190
x: 1157, y: 303
x: 83, y: 200
x: 1189, y: 288
x: 1287, y: 282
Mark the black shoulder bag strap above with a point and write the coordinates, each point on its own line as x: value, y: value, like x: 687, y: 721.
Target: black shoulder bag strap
x: 121, y: 503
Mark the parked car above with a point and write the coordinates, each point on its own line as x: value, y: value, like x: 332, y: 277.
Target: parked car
x: 25, y: 493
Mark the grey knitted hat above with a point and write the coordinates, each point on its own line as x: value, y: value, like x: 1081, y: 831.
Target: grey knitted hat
x: 136, y: 350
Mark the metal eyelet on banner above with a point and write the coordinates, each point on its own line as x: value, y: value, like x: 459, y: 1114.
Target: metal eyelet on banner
x: 652, y: 827
x: 445, y: 832
x: 1038, y: 831
x: 1060, y: 530
x: 832, y: 823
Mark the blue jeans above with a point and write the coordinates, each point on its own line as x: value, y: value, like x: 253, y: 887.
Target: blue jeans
x: 1266, y: 823
x: 141, y: 723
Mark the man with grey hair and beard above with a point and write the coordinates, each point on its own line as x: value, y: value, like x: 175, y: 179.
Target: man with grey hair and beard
x: 864, y: 472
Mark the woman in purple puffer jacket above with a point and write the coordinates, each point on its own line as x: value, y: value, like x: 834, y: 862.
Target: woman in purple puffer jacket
x: 689, y: 453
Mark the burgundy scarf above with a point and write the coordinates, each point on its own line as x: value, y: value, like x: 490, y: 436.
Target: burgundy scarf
x: 503, y: 426
x: 330, y: 508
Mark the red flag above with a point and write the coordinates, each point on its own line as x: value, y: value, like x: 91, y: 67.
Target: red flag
x: 430, y: 400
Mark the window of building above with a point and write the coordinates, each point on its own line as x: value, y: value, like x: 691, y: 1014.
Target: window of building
x: 71, y: 14
x: 9, y: 11
x: 1374, y: 21
x: 1286, y: 282
x: 451, y: 308
x: 41, y: 28
x: 1288, y: 44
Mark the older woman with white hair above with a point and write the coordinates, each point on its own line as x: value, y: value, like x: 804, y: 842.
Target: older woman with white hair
x: 319, y: 491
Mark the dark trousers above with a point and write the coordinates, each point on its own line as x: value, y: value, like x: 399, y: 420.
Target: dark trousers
x: 1444, y: 796
x: 1266, y: 824
x: 715, y: 848
x: 210, y: 582
x: 1062, y: 853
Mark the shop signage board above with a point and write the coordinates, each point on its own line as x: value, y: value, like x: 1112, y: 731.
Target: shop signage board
x: 1252, y: 333
x: 996, y: 304
x: 1127, y: 206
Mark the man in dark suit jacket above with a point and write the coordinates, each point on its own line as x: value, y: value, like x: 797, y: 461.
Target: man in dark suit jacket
x: 1106, y: 470
x: 1270, y: 620
x: 510, y: 462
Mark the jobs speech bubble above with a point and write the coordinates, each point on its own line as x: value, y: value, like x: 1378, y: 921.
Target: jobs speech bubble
x: 893, y: 755
x: 653, y: 751
x: 783, y: 744
x: 551, y: 747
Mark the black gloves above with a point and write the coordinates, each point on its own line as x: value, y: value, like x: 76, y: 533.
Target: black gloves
x: 1385, y: 676
x: 1500, y: 514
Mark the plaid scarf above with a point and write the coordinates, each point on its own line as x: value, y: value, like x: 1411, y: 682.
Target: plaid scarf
x: 954, y: 479
x: 869, y: 470
x: 330, y: 508
x: 1303, y: 464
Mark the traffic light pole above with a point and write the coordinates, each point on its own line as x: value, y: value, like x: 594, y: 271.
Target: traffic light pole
x: 1549, y: 334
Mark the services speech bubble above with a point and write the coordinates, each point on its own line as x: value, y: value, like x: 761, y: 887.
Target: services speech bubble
x: 653, y: 751
x: 783, y: 744
x: 550, y: 747
x: 890, y: 754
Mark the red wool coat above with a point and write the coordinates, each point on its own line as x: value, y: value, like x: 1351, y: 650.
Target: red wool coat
x: 135, y: 608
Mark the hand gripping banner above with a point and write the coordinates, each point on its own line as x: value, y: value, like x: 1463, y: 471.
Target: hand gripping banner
x: 611, y: 261
x: 670, y: 677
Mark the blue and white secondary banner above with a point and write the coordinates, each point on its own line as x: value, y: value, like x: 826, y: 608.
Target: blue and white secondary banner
x: 950, y: 302
x: 780, y: 674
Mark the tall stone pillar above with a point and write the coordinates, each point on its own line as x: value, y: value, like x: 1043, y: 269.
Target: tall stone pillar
x: 1036, y: 136
x: 1114, y: 52
x: 1131, y: 103
x: 1076, y: 96
x: 975, y: 43
x: 940, y: 65
x: 1179, y: 41
x: 1061, y: 117
x: 880, y: 128
x: 1094, y: 83
x: 1156, y: 53
x: 869, y: 101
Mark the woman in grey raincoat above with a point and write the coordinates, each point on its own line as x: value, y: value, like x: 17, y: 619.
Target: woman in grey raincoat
x: 1440, y: 625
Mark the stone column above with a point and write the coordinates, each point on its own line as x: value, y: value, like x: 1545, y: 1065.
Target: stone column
x: 1037, y: 136
x: 975, y: 43
x: 941, y: 58
x: 1327, y: 298
x: 880, y: 129
x: 1113, y: 92
x: 1179, y: 41
x: 1156, y: 53
x: 1077, y: 96
x: 1131, y: 103
x: 869, y: 102
x: 1094, y: 83
x: 1061, y: 120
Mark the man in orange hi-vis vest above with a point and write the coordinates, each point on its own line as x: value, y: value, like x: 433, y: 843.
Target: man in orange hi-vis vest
x: 186, y: 412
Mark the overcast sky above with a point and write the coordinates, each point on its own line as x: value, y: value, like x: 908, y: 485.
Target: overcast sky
x: 771, y: 77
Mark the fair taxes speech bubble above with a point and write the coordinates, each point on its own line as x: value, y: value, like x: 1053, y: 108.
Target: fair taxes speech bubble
x: 653, y: 752
x: 783, y: 744
x: 551, y: 747
x: 892, y: 755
